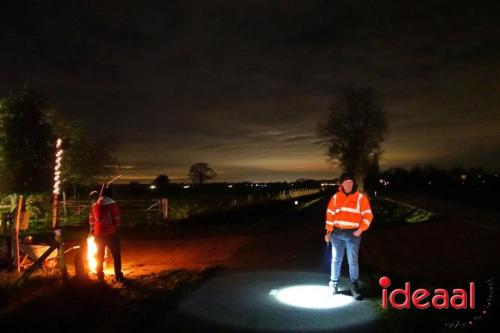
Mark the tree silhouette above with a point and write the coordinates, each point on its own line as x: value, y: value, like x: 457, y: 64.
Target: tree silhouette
x: 87, y: 160
x: 201, y: 172
x: 161, y: 182
x: 27, y: 144
x: 28, y: 131
x: 354, y: 129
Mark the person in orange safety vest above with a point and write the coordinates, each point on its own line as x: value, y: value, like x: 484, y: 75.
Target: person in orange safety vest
x: 348, y: 215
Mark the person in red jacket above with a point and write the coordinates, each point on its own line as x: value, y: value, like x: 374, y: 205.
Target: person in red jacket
x: 104, y: 219
x: 348, y: 215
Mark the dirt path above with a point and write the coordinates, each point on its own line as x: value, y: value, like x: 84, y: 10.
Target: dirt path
x: 199, y: 247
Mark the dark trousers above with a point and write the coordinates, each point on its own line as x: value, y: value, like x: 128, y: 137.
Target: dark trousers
x: 113, y: 243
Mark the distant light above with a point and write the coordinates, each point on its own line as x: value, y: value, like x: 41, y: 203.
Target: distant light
x: 296, y: 202
x: 311, y: 297
x: 430, y: 183
x: 463, y: 176
x: 186, y: 186
x: 230, y: 186
x: 152, y: 187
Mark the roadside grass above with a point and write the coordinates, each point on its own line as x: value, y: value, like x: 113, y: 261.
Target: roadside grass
x: 389, y: 212
x: 430, y: 320
x: 47, y: 304
x: 390, y: 216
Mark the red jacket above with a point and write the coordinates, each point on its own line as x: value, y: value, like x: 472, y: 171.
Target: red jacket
x: 104, y: 217
x: 350, y: 211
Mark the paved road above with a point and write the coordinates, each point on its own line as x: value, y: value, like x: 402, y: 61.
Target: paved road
x: 248, y: 294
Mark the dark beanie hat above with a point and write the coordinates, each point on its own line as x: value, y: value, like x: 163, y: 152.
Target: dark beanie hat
x: 346, y: 176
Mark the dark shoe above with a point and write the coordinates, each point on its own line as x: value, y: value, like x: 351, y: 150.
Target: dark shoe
x: 100, y: 278
x: 334, y: 287
x: 356, y: 294
x: 120, y: 278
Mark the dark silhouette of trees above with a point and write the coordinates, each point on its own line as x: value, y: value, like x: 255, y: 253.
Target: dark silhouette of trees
x: 371, y: 181
x: 354, y: 129
x: 87, y: 160
x: 28, y: 133
x: 27, y: 144
x: 161, y: 181
x: 201, y: 172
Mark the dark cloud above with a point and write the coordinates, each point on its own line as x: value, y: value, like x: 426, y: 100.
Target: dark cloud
x: 242, y: 84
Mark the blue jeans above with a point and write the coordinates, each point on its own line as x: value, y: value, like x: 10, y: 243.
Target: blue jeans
x: 341, y: 240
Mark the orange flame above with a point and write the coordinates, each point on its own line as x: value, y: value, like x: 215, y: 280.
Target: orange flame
x: 91, y: 254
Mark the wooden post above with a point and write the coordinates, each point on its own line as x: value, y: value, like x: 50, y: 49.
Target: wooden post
x: 65, y: 210
x: 8, y: 237
x: 58, y: 236
x: 16, y: 233
x: 164, y: 209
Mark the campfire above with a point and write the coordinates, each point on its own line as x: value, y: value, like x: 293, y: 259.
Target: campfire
x: 92, y: 254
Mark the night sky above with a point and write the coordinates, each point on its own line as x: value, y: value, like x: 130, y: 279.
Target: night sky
x: 242, y: 84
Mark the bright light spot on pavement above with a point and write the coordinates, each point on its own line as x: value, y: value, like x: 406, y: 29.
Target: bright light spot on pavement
x: 311, y: 296
x: 273, y: 292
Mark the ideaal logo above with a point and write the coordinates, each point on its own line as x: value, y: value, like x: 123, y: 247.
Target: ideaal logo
x: 440, y: 299
x: 423, y: 298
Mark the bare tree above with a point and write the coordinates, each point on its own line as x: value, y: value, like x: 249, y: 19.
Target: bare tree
x: 354, y: 129
x: 200, y: 172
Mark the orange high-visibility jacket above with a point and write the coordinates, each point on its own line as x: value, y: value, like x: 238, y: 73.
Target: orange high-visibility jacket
x: 350, y: 211
x: 104, y: 216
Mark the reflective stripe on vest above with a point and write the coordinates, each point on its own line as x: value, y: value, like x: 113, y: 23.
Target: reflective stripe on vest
x: 345, y: 224
x: 350, y: 210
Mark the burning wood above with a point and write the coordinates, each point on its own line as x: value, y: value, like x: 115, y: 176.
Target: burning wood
x: 92, y: 254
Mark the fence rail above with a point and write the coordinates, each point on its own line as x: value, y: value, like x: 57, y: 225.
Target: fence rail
x: 180, y: 206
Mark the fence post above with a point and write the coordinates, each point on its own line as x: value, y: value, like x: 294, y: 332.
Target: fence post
x: 164, y: 208
x: 16, y: 233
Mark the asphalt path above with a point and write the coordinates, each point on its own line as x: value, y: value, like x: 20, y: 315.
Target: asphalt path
x: 276, y: 281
